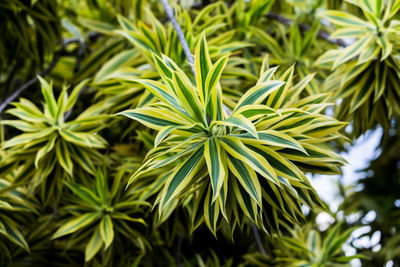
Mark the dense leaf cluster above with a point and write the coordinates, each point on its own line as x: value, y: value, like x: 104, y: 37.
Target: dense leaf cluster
x: 120, y: 148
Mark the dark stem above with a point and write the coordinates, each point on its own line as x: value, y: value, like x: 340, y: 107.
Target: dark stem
x: 182, y: 40
x: 57, y: 56
x: 178, y: 251
x: 304, y: 27
x: 179, y: 32
x: 32, y: 81
x: 258, y: 239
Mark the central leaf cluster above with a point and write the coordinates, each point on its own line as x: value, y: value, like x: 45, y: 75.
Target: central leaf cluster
x: 254, y: 156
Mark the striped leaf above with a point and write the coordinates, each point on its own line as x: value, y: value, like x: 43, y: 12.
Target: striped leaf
x: 215, y: 164
x: 272, y: 138
x: 202, y: 66
x: 380, y: 80
x: 253, y: 112
x: 139, y: 41
x: 76, y: 224
x: 211, y: 212
x: 258, y: 93
x: 84, y: 194
x: 386, y: 46
x: 164, y: 94
x: 237, y: 149
x: 45, y: 149
x: 345, y: 19
x: 369, y: 54
x: 27, y: 138
x: 82, y: 139
x: 282, y: 166
x: 348, y: 32
x: 246, y: 203
x: 353, y: 50
x: 107, y: 230
x: 165, y: 131
x: 247, y: 178
x: 94, y: 245
x: 181, y: 177
x: 48, y: 95
x: 10, y: 229
x: 213, y: 77
x: 116, y: 62
x: 394, y: 8
x: 154, y: 118
x: 187, y: 96
x: 21, y: 125
x: 240, y: 122
x: 63, y: 156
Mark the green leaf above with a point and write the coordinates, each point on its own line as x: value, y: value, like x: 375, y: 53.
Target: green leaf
x: 120, y: 60
x: 240, y: 122
x: 246, y: 203
x: 386, y: 46
x: 82, y: 139
x: 26, y: 138
x: 380, y: 80
x: 202, y: 65
x: 94, y: 245
x: 164, y: 94
x: 216, y: 165
x: 247, y: 178
x: 394, y: 8
x: 253, y: 112
x: 213, y: 77
x: 48, y: 95
x: 74, y: 94
x: 98, y: 26
x: 107, y: 230
x: 345, y: 19
x: 76, y: 224
x: 187, y: 96
x: 258, y: 93
x: 21, y: 125
x: 235, y: 147
x: 294, y: 244
x: 272, y: 138
x: 84, y: 194
x: 155, y: 118
x: 211, y: 212
x: 45, y: 149
x: 353, y: 50
x: 10, y: 229
x: 181, y: 177
x: 63, y: 156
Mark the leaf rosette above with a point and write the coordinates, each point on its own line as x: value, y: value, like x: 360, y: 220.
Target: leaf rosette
x: 253, y: 157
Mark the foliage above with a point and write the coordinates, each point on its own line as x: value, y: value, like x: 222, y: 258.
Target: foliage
x: 218, y: 150
x: 305, y: 246
x: 253, y: 143
x: 31, y: 28
x: 367, y: 71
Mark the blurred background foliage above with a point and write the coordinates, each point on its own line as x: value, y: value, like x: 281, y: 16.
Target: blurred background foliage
x: 67, y: 67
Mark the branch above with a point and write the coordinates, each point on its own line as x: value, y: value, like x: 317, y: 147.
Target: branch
x: 258, y: 239
x: 183, y: 41
x: 32, y: 81
x: 304, y: 27
x: 179, y: 32
x: 57, y: 56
